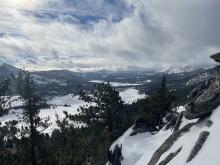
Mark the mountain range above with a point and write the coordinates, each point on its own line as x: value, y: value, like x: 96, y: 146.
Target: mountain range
x: 61, y: 82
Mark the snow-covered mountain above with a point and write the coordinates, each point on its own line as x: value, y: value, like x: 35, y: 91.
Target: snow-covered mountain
x: 63, y: 82
x: 183, y: 69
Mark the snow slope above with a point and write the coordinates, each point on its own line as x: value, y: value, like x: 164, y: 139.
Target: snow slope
x: 138, y: 149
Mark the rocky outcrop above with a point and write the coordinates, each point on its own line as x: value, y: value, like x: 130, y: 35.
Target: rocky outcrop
x: 170, y: 157
x: 203, y: 100
x: 216, y: 57
x: 141, y: 126
x: 209, y: 123
x: 168, y: 144
x: 201, y: 140
x: 172, y: 122
x: 178, y: 122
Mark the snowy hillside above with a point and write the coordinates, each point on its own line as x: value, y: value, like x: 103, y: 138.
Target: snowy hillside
x: 139, y: 149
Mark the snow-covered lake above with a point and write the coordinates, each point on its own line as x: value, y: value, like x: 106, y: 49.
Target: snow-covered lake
x: 68, y: 103
x: 116, y: 84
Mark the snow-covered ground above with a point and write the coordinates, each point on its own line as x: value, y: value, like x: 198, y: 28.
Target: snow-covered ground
x: 138, y: 149
x: 130, y: 95
x: 116, y: 84
x: 68, y: 103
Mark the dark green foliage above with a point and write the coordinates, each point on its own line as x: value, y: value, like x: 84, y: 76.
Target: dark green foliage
x: 104, y: 104
x: 101, y: 119
x: 4, y: 100
x: 155, y: 107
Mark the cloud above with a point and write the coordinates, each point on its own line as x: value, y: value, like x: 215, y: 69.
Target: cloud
x: 75, y: 34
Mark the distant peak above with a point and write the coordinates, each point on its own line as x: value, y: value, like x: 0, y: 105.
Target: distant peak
x: 8, y: 67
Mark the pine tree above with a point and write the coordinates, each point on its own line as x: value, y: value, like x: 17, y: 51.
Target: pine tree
x: 104, y: 104
x: 32, y: 104
x: 156, y: 106
x: 163, y: 86
x: 4, y: 100
x: 163, y: 100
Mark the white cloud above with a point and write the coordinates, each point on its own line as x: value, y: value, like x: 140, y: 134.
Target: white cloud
x: 154, y: 34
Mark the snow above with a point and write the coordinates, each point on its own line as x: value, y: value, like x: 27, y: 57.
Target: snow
x: 148, y: 81
x: 115, y: 84
x: 44, y: 81
x: 70, y: 100
x: 209, y: 154
x: 68, y: 103
x: 138, y: 149
x: 131, y: 95
x: 198, y: 79
x: 16, y: 101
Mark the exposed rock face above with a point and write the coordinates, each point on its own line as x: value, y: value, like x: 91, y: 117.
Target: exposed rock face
x: 141, y: 126
x: 178, y: 122
x: 203, y: 100
x: 168, y: 144
x: 172, y: 122
x: 170, y: 157
x: 201, y: 140
x: 216, y: 57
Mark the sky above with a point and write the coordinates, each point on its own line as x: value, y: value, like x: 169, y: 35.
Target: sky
x: 108, y: 34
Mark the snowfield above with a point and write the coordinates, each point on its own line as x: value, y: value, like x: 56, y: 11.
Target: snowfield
x: 130, y: 95
x: 68, y: 103
x: 138, y: 149
x: 115, y: 84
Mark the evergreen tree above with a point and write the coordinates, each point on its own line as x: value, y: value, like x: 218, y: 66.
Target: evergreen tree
x: 155, y: 107
x: 162, y: 101
x: 104, y: 104
x: 4, y: 100
x: 32, y: 105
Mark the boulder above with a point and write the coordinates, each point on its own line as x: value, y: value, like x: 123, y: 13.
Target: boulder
x: 204, y: 99
x: 170, y: 157
x: 199, y: 143
x: 209, y: 123
x: 178, y: 122
x: 216, y: 57
x: 141, y: 126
